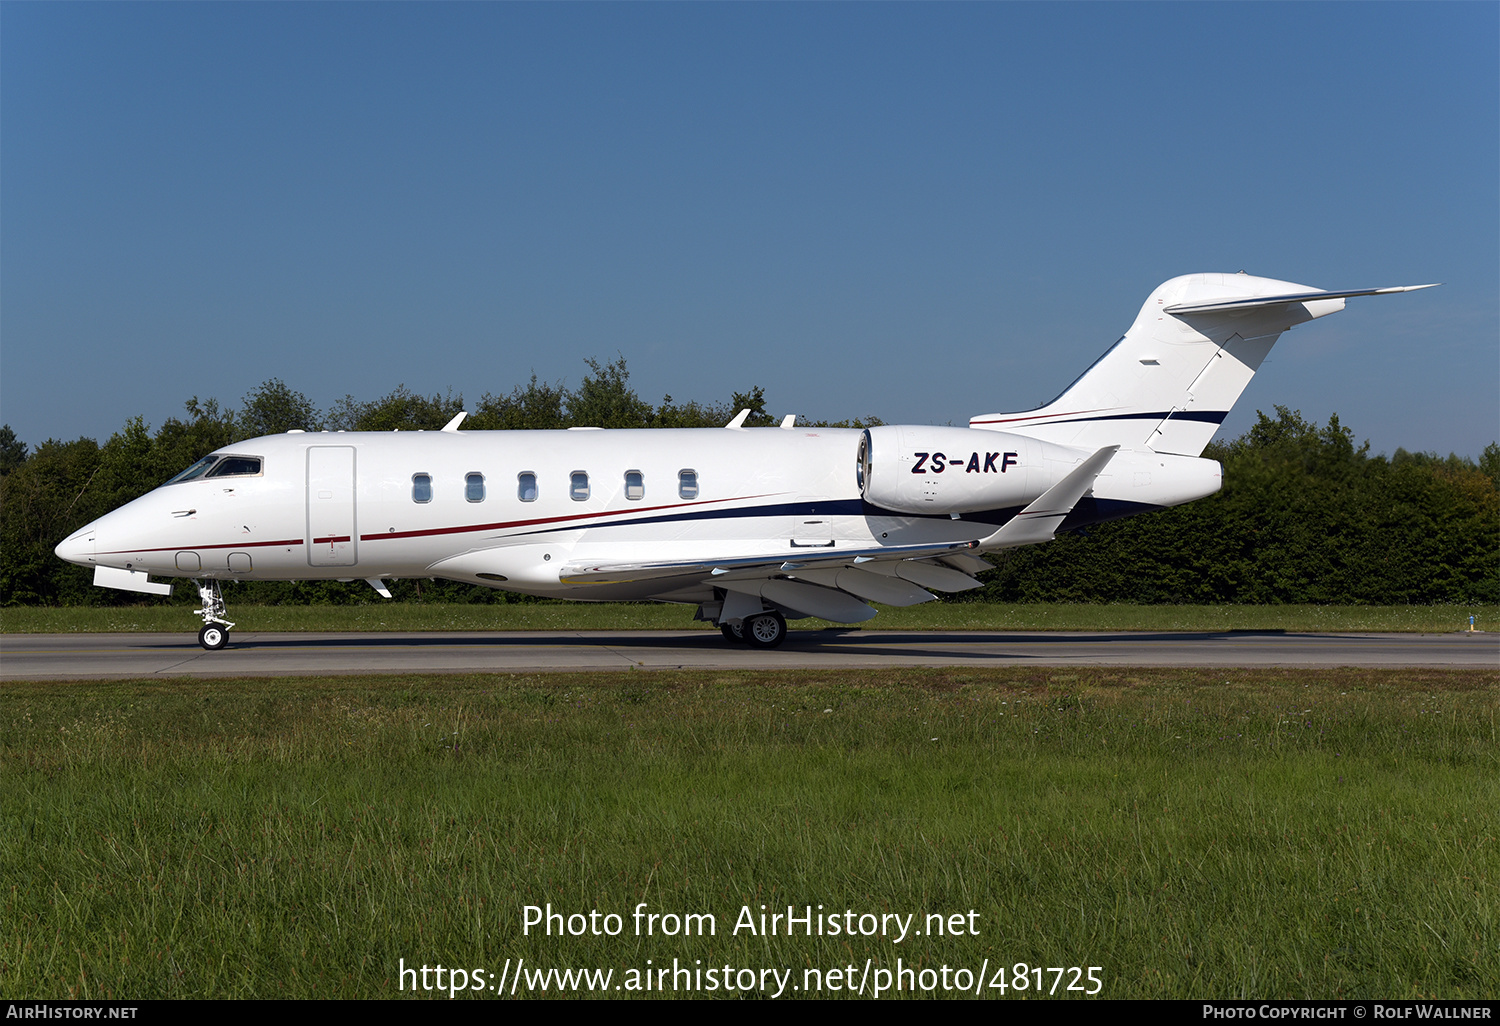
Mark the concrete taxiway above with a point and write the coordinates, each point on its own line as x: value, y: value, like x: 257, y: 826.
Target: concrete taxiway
x: 119, y: 656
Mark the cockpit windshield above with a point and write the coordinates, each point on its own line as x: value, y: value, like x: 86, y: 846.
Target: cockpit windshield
x: 236, y: 466
x: 220, y: 466
x: 196, y: 470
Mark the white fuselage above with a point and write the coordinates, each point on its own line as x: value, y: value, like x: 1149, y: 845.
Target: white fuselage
x: 462, y: 505
x: 750, y: 524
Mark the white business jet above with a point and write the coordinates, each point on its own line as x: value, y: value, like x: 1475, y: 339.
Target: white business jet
x: 751, y: 526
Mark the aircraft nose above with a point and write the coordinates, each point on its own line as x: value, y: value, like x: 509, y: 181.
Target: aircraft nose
x: 78, y: 547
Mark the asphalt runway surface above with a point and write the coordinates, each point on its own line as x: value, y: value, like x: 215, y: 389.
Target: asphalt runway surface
x: 250, y: 654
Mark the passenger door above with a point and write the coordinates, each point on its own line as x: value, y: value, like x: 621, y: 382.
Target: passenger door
x: 331, y: 528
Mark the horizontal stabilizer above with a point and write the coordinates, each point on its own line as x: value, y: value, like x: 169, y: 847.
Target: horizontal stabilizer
x: 1039, y: 522
x: 1221, y: 306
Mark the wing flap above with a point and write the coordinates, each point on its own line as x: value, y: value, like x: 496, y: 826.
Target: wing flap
x: 968, y: 564
x: 806, y: 599
x: 890, y: 591
x: 925, y: 574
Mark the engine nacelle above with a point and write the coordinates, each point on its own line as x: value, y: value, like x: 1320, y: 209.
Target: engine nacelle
x: 957, y: 470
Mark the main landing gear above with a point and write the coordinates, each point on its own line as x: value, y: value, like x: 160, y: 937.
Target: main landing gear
x: 215, y: 632
x: 763, y: 630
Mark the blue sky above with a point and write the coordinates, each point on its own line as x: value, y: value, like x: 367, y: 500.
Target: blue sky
x: 922, y: 212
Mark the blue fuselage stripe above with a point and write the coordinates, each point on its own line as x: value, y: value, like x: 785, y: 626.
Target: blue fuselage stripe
x: 1088, y: 511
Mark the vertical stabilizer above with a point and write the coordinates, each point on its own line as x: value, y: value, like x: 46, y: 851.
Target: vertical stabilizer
x: 1170, y: 381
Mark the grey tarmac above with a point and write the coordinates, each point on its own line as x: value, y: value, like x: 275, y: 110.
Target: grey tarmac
x: 250, y: 654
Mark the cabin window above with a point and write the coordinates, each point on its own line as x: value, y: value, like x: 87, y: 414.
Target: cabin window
x: 579, y: 489
x: 687, y: 484
x: 474, y: 487
x: 526, y: 486
x: 421, y: 488
x: 635, y: 485
x: 236, y: 466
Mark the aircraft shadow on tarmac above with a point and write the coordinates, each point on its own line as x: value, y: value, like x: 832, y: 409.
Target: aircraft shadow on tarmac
x: 856, y: 641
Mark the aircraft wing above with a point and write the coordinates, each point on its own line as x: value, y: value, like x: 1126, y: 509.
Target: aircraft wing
x: 835, y: 585
x: 757, y: 567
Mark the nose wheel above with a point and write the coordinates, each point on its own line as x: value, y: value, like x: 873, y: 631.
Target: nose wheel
x: 215, y: 632
x: 213, y: 636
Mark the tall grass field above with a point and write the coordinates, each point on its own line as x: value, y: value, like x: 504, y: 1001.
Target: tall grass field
x: 1173, y: 833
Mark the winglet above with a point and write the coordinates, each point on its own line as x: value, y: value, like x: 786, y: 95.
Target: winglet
x: 788, y: 422
x: 1039, y: 522
x: 738, y: 423
x: 452, y: 426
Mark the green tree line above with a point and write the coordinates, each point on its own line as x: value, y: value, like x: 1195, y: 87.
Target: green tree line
x: 50, y: 492
x: 1305, y: 515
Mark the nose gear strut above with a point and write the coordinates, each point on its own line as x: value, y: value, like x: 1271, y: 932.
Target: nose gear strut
x: 215, y: 632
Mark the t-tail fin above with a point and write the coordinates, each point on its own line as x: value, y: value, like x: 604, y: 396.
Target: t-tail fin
x: 1169, y: 383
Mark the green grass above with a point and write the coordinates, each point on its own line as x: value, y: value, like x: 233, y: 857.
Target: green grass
x: 398, y: 616
x: 1195, y: 833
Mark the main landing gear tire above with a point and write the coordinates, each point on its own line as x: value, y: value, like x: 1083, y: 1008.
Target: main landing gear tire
x: 213, y: 636
x: 732, y: 632
x: 765, y: 630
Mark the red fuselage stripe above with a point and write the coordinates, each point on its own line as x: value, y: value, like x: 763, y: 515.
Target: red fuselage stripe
x: 191, y: 548
x: 504, y: 525
x: 438, y: 531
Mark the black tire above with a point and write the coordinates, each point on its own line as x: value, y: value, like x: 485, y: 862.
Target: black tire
x: 733, y: 632
x: 765, y: 630
x: 213, y: 636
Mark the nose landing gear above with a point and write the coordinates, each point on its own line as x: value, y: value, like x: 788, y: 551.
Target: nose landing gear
x: 213, y: 636
x: 215, y: 632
